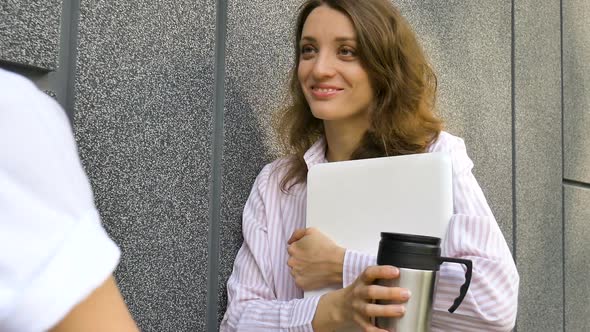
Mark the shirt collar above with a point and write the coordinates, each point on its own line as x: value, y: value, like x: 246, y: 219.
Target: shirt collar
x: 316, y: 154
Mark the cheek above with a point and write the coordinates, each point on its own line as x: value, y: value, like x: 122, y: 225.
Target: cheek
x: 301, y: 72
x: 363, y: 83
x: 368, y: 87
x: 369, y: 91
x: 303, y: 76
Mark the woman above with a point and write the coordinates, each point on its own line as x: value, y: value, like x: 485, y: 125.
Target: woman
x: 361, y: 88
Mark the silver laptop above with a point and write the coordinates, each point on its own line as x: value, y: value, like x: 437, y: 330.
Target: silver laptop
x: 354, y: 201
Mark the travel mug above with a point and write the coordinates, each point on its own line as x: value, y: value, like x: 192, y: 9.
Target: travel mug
x: 418, y: 260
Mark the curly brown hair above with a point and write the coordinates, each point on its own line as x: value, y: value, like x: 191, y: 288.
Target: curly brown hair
x: 403, y: 120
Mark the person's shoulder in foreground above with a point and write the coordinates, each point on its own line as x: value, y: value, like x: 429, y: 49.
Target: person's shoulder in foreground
x: 56, y: 258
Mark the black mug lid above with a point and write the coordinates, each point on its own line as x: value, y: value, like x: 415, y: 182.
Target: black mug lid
x: 418, y: 239
x: 421, y: 253
x: 409, y: 251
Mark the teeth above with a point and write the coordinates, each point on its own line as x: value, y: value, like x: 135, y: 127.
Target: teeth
x: 324, y: 90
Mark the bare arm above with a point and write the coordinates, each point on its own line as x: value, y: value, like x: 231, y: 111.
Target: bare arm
x: 103, y: 310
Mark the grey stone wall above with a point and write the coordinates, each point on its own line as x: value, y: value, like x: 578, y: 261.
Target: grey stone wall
x: 35, y: 41
x: 576, y: 115
x: 30, y: 32
x: 143, y: 120
x: 576, y: 93
x: 469, y: 44
x: 171, y: 103
x: 538, y: 164
x: 258, y: 59
x: 577, y: 258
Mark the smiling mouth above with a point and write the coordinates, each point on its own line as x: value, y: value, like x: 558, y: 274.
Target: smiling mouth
x: 325, y: 92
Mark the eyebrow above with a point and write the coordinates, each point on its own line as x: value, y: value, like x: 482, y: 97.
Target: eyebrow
x: 338, y: 39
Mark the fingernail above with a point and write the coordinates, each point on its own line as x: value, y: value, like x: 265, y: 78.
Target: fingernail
x: 405, y: 294
x: 400, y: 309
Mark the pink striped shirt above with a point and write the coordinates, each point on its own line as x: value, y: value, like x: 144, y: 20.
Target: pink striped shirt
x: 262, y: 295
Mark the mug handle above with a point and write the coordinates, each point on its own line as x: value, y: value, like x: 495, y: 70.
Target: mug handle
x: 465, y: 286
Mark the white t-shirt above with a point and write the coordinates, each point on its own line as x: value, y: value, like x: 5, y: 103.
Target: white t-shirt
x: 53, y: 249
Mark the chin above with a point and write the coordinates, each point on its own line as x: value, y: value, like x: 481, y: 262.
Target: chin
x: 332, y: 113
x: 326, y: 115
x: 323, y: 111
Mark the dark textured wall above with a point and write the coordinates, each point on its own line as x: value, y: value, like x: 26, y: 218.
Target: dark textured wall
x: 258, y: 58
x: 30, y: 32
x: 143, y: 120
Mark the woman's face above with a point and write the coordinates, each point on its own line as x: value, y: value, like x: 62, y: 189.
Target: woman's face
x: 335, y: 84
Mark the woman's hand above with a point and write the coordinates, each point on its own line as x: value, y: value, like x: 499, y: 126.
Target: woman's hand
x: 356, y: 303
x: 362, y: 293
x: 315, y: 260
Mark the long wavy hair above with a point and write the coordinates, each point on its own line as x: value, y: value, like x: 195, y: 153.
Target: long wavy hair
x: 403, y: 120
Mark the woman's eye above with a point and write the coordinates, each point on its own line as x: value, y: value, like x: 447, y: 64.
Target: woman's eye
x: 307, y: 49
x: 347, y: 51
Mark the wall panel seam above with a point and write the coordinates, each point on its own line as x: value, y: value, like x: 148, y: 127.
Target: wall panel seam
x: 562, y: 165
x: 68, y: 59
x: 62, y: 81
x: 216, y: 165
x: 513, y: 105
x: 576, y: 184
x: 513, y: 119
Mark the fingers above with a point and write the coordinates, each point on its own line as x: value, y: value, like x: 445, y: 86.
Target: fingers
x: 291, y: 262
x: 376, y: 292
x: 366, y: 324
x: 373, y: 273
x: 297, y: 235
x: 363, y: 311
x: 311, y: 230
x: 365, y: 292
x: 380, y: 310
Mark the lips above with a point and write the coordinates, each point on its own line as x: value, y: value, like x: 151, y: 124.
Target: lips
x: 322, y: 91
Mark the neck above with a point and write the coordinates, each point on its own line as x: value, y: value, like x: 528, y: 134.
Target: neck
x: 343, y: 139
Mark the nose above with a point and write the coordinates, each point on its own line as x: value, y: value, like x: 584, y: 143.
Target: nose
x: 324, y: 66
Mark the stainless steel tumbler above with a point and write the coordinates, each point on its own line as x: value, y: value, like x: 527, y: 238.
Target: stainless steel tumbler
x: 418, y: 259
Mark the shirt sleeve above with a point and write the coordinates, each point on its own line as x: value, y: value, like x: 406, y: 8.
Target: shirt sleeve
x: 43, y: 278
x: 252, y: 303
x: 53, y: 249
x: 355, y: 262
x: 473, y: 233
